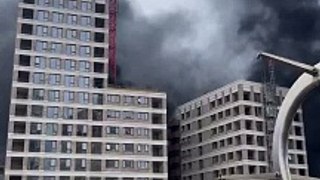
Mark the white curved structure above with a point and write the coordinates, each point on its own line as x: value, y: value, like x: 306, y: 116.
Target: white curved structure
x: 295, y: 96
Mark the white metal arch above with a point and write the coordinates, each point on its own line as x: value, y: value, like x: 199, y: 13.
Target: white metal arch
x: 294, y: 98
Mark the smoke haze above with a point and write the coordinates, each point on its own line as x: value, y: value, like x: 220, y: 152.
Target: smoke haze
x: 188, y: 47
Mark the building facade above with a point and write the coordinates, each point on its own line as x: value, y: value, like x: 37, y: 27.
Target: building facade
x: 223, y: 134
x: 65, y: 122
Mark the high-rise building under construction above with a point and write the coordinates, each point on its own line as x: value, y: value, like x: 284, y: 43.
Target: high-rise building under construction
x: 66, y: 122
x: 223, y: 133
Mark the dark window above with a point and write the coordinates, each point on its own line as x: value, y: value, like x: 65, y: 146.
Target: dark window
x: 99, y: 23
x: 24, y: 60
x: 96, y: 131
x: 99, y: 37
x: 98, y: 67
x: 22, y: 93
x: 27, y: 14
x: 19, y: 127
x: 98, y: 83
x: 25, y: 44
x: 97, y: 115
x: 18, y: 145
x: 299, y: 145
x: 156, y: 103
x: 34, y: 146
x: 16, y: 163
x: 100, y: 8
x: 23, y: 76
x: 26, y: 29
x: 28, y: 1
x: 98, y: 52
x: 21, y: 110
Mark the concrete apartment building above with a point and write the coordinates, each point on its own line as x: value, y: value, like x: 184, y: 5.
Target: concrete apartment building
x: 65, y: 122
x: 223, y: 134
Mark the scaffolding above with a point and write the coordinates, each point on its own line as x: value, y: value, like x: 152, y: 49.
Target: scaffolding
x: 269, y: 107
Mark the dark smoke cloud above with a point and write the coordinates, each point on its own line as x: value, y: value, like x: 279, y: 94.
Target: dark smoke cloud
x: 8, y: 12
x: 288, y: 27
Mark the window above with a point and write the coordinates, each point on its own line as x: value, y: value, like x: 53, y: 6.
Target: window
x: 98, y: 52
x: 71, y: 49
x: 129, y: 131
x: 70, y: 65
x: 112, y: 130
x: 19, y: 127
x: 143, y: 165
x: 56, y: 48
x: 57, y: 17
x: 49, y: 164
x: 51, y: 129
x: 43, y: 15
x: 42, y: 30
x: 85, y: 6
x: 66, y: 147
x: 65, y: 164
x: 40, y: 62
x: 83, y: 97
x: 112, y: 164
x: 25, y: 44
x: 21, y: 110
x: 27, y: 13
x: 54, y: 63
x: 44, y: 2
x: 22, y: 93
x: 84, y: 82
x: 41, y: 46
x: 67, y: 129
x: 72, y: 19
x: 71, y: 34
x: 113, y: 147
x: 128, y: 115
x: 99, y: 37
x: 128, y: 164
x: 143, y: 116
x: 54, y: 79
x: 35, y: 128
x: 97, y: 99
x: 28, y: 1
x: 38, y: 94
x: 26, y: 28
x: 99, y: 23
x: 82, y: 130
x: 85, y: 51
x: 98, y: 68
x: 24, y: 60
x: 143, y: 100
x: 98, y: 83
x: 95, y: 165
x: 36, y: 111
x: 100, y: 8
x: 50, y: 146
x: 85, y: 21
x: 82, y: 113
x: 52, y: 112
x: 38, y: 78
x: 23, y: 76
x: 96, y: 131
x: 58, y: 3
x: 84, y: 66
x: 34, y: 145
x: 68, y: 96
x: 67, y: 113
x: 85, y: 36
x: 69, y: 81
x: 54, y: 95
x: 81, y: 147
x: 56, y: 32
x: 72, y: 4
x: 113, y: 114
x: 33, y: 163
x: 81, y: 165
x: 97, y: 115
x: 113, y: 98
x: 96, y: 148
